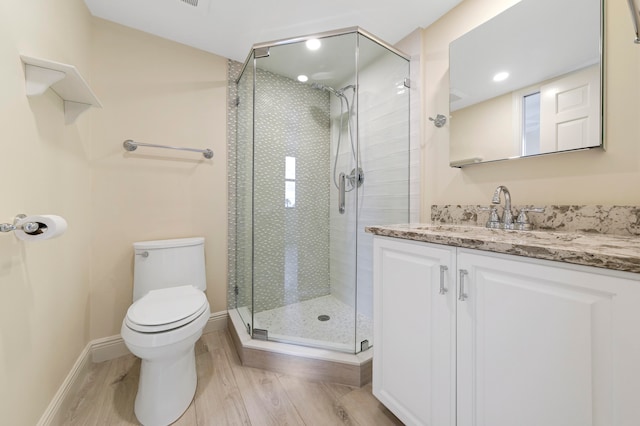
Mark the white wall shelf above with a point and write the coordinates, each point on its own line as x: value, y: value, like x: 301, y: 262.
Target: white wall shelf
x: 63, y: 79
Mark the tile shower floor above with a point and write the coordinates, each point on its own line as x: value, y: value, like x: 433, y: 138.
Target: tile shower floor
x: 298, y: 323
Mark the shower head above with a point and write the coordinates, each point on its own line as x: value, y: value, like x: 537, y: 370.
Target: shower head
x: 320, y: 86
x: 339, y: 92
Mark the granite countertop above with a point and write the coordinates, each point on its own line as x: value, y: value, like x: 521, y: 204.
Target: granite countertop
x: 616, y: 252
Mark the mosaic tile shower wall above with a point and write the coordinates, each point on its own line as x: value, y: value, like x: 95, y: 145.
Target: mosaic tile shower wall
x: 290, y: 243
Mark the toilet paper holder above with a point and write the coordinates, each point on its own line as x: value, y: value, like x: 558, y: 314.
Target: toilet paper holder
x: 28, y: 227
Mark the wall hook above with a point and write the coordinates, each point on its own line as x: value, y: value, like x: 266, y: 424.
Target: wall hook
x: 439, y: 121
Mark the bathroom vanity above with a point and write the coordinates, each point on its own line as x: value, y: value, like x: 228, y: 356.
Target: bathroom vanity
x: 487, y: 327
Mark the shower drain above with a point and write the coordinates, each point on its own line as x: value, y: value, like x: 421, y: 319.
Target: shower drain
x: 324, y: 318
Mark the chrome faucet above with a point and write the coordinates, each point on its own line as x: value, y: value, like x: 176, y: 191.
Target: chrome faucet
x: 507, y: 215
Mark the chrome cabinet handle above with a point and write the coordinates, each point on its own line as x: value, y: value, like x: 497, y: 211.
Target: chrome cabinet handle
x: 341, y: 193
x: 443, y: 271
x: 143, y: 254
x: 462, y: 296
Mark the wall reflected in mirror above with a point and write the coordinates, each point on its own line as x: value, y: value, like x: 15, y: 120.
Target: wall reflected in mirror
x: 527, y: 82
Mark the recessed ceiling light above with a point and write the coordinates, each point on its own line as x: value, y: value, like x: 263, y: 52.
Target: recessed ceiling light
x: 501, y: 76
x: 313, y: 44
x: 302, y: 78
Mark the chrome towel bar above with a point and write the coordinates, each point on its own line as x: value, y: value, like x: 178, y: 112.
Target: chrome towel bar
x: 131, y: 145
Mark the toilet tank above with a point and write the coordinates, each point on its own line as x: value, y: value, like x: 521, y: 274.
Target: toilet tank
x: 168, y: 263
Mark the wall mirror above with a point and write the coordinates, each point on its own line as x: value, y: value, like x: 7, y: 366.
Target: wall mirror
x: 527, y: 82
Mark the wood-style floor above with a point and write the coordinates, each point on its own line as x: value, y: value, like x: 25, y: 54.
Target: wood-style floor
x: 229, y: 394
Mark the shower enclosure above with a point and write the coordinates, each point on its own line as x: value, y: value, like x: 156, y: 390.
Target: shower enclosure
x: 321, y: 151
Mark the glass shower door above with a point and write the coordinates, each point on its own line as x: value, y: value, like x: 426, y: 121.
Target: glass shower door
x: 383, y: 123
x: 242, y: 292
x: 303, y: 231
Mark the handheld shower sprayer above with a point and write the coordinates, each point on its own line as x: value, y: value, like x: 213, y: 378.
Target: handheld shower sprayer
x: 356, y: 177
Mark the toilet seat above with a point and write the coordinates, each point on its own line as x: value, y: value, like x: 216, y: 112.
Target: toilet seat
x: 166, y: 309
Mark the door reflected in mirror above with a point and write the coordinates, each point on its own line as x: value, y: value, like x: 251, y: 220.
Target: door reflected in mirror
x: 527, y: 82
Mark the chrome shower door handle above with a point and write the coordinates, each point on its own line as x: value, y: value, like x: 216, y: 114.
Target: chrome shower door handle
x: 443, y: 271
x: 462, y: 296
x: 341, y: 192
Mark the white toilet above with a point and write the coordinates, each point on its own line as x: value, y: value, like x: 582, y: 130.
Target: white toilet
x: 162, y: 326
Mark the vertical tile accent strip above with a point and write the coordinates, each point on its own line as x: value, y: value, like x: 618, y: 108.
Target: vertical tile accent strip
x: 233, y: 72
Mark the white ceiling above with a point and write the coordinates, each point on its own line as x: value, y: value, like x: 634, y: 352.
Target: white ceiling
x: 230, y: 28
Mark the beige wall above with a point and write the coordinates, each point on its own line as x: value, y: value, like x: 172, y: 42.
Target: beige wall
x: 592, y: 177
x: 44, y: 286
x: 57, y: 295
x: 154, y: 91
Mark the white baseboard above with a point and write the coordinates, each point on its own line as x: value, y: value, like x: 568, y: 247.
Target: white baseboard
x: 217, y: 321
x: 109, y: 348
x: 99, y: 350
x: 69, y: 389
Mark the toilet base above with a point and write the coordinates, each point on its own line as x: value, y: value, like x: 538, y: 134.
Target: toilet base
x: 167, y: 385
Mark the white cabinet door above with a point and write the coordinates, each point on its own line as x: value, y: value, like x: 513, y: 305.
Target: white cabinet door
x: 414, y: 330
x: 540, y: 344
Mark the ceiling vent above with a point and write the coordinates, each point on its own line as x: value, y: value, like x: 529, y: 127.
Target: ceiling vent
x: 191, y: 2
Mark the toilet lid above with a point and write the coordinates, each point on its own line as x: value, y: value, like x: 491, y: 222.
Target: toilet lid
x: 165, y: 309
